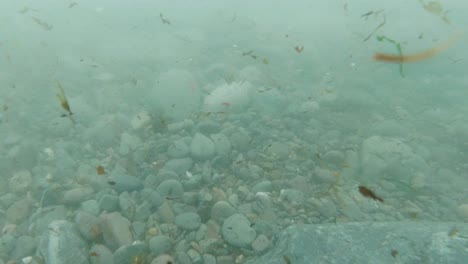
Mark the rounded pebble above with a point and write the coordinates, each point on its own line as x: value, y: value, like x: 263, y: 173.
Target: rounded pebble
x: 188, y: 221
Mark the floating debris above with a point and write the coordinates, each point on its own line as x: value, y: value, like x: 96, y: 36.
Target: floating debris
x: 394, y: 253
x: 400, y: 58
x: 369, y: 194
x: 436, y: 8
x: 43, y: 24
x: 299, y: 49
x: 64, y: 102
x: 72, y: 4
x: 100, y: 170
x: 386, y: 57
x: 164, y: 20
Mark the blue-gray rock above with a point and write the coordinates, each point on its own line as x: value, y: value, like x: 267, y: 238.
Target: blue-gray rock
x: 236, y: 231
x: 77, y: 195
x: 202, y: 147
x: 126, y: 183
x: 7, y: 244
x: 100, y: 254
x: 208, y: 127
x: 160, y: 244
x: 221, y: 210
x: 46, y: 215
x: 88, y: 225
x: 373, y: 243
x: 139, y: 229
x: 240, y: 141
x: 90, y: 206
x: 188, y: 221
x: 143, y: 211
x: 152, y: 197
x: 62, y: 244
x: 25, y: 246
x: 18, y: 211
x: 263, y: 186
x: 179, y: 166
x: 178, y: 149
x: 109, y: 202
x: 222, y: 144
x: 127, y: 253
x: 116, y: 230
x: 170, y: 188
x: 127, y: 205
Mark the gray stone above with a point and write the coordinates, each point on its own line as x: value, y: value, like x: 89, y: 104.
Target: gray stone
x: 178, y: 149
x: 152, y: 196
x: 260, y: 244
x: 109, y: 202
x: 263, y: 186
x: 170, y: 188
x: 7, y: 244
x: 21, y: 181
x: 240, y: 141
x: 100, y: 254
x: 236, y: 230
x: 126, y: 183
x: 293, y: 196
x: 25, y: 246
x: 77, y: 195
x: 88, y: 225
x: 179, y: 166
x: 373, y: 243
x: 129, y: 252
x: 222, y: 144
x: 18, y: 211
x: 90, y: 206
x: 221, y: 210
x: 62, y: 244
x: 116, y: 230
x: 160, y: 244
x: 127, y: 205
x: 278, y: 150
x: 188, y: 221
x: 202, y: 147
x: 143, y: 211
x: 46, y: 215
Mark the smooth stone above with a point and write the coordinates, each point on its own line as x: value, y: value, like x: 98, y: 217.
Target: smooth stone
x: 109, y: 202
x: 278, y: 150
x: 237, y: 231
x: 202, y: 147
x: 221, y: 210
x: 171, y: 188
x: 260, y: 244
x: 291, y: 195
x: 90, y: 206
x: 18, y: 211
x: 178, y: 149
x: 240, y: 141
x: 128, y: 143
x: 143, y: 211
x: 21, y: 181
x: 263, y: 186
x: 179, y: 166
x: 188, y: 221
x: 45, y: 216
x: 100, y: 254
x: 62, y: 244
x: 88, y: 225
x: 116, y: 230
x: 160, y: 244
x: 208, y: 127
x: 126, y: 183
x: 127, y: 205
x: 129, y: 252
x: 152, y: 196
x: 222, y: 144
x: 25, y: 246
x: 163, y: 259
x: 77, y: 195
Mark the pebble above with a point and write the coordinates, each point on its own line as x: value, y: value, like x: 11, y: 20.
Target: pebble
x: 240, y: 141
x: 260, y: 244
x: 109, y: 202
x: 141, y: 120
x: 179, y: 166
x: 237, y: 232
x: 222, y: 144
x: 88, y: 225
x: 462, y: 211
x: 25, y: 246
x: 18, y: 211
x: 202, y: 147
x: 116, y: 230
x: 21, y: 181
x: 77, y: 195
x: 90, y: 206
x: 263, y: 186
x: 221, y: 210
x: 126, y: 183
x: 62, y: 243
x: 293, y: 196
x: 170, y: 188
x: 163, y: 259
x: 100, y: 254
x: 178, y: 149
x: 160, y: 244
x: 278, y: 150
x: 188, y: 221
x: 128, y: 143
x: 129, y: 252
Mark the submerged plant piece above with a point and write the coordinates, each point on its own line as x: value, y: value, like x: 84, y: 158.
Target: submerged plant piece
x: 64, y: 102
x: 164, y: 20
x: 43, y: 24
x: 100, y: 170
x: 436, y: 8
x: 299, y: 49
x: 369, y: 194
x: 378, y: 56
x: 400, y: 58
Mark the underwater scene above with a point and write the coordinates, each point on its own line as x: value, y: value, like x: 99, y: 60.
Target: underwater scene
x: 230, y: 132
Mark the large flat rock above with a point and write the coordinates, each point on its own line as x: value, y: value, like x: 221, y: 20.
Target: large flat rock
x: 388, y: 242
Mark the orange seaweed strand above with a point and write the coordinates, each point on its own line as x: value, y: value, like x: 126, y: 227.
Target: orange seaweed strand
x: 418, y: 56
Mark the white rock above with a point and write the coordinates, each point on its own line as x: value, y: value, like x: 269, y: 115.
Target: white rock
x: 235, y: 96
x: 21, y: 181
x: 141, y: 120
x: 462, y: 211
